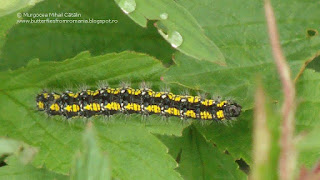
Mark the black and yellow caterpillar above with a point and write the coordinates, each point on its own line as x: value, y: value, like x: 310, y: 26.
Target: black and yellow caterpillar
x: 108, y: 101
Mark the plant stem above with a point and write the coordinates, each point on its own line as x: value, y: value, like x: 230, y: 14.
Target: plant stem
x: 287, y: 154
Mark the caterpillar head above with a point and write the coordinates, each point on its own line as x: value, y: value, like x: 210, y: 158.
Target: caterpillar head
x: 231, y: 109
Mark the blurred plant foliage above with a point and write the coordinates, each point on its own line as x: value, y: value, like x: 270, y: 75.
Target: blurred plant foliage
x: 177, y: 44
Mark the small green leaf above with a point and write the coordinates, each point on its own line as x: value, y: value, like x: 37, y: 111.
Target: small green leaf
x: 91, y: 164
x: 22, y: 151
x: 176, y: 25
x: 17, y: 156
x: 17, y: 171
x: 10, y: 6
x: 199, y: 159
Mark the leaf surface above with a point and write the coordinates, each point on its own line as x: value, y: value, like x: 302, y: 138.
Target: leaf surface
x: 133, y: 150
x: 17, y: 171
x: 177, y: 25
x: 240, y: 31
x: 90, y: 162
x: 199, y: 159
x: 10, y: 6
x: 58, y: 41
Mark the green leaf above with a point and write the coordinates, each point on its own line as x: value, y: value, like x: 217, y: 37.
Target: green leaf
x: 19, y: 155
x: 18, y: 171
x: 22, y: 151
x: 235, y: 138
x: 308, y: 86
x: 315, y: 64
x: 177, y: 25
x: 309, y: 149
x: 199, y: 159
x: 6, y: 23
x: 307, y: 117
x: 239, y: 29
x: 91, y: 163
x: 58, y: 41
x: 10, y: 6
x: 134, y: 152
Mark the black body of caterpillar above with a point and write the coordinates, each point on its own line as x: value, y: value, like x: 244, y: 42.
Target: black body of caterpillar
x: 109, y: 101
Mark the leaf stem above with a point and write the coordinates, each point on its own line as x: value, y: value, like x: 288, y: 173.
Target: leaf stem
x: 287, y: 154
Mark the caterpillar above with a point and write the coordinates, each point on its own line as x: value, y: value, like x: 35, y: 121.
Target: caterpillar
x: 108, y: 101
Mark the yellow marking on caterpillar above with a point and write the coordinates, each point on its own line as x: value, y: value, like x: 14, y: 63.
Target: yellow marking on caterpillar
x: 177, y: 98
x: 68, y: 108
x: 88, y: 107
x: 130, y: 91
x: 193, y: 99
x: 160, y: 94
x: 191, y: 113
x: 154, y: 108
x: 133, y: 107
x: 137, y: 92
x: 75, y: 108
x: 205, y: 115
x: 56, y: 96
x: 54, y: 107
x: 74, y: 95
x: 113, y: 91
x: 170, y: 96
x: 151, y: 93
x: 117, y: 91
x: 96, y: 107
x: 40, y: 105
x: 113, y: 106
x: 92, y: 93
x: 157, y: 95
x: 72, y: 108
x: 109, y: 90
x: 174, y: 111
x: 45, y: 95
x: 92, y: 107
x: 221, y: 103
x: 133, y: 91
x: 220, y: 114
x: 207, y: 102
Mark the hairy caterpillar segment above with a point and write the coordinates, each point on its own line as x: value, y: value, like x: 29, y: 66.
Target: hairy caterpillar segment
x: 109, y: 101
